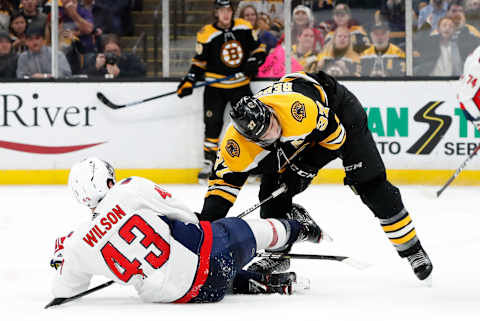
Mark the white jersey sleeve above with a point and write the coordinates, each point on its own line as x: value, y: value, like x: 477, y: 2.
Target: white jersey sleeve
x: 468, y: 93
x: 141, y: 193
x: 136, y: 238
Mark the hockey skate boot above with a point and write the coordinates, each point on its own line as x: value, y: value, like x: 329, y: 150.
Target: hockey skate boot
x: 310, y: 231
x: 205, y: 171
x: 421, y: 264
x: 269, y: 265
x: 282, y: 283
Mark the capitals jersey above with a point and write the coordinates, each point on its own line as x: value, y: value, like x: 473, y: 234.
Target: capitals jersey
x: 223, y: 52
x: 141, y: 236
x: 301, y: 107
x: 468, y: 93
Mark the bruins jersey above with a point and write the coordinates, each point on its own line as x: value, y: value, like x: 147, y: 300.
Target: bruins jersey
x: 308, y: 60
x: 346, y: 65
x: 386, y: 64
x: 360, y: 40
x: 222, y: 52
x: 301, y: 107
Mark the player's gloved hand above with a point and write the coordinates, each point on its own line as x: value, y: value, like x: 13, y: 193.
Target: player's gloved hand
x: 250, y: 68
x: 185, y: 87
x: 57, y: 259
x: 298, y: 176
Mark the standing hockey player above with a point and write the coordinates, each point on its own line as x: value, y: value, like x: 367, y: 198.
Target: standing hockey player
x: 469, y: 89
x: 226, y: 47
x: 290, y: 130
x: 141, y: 235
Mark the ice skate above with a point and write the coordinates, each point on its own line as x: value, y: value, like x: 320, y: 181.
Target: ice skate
x: 421, y: 265
x: 310, y: 231
x: 282, y: 283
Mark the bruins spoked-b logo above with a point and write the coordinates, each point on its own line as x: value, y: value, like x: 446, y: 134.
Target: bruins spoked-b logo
x: 298, y: 111
x: 231, y: 53
x: 232, y: 148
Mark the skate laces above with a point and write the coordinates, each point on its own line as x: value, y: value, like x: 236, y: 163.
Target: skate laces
x: 418, y: 259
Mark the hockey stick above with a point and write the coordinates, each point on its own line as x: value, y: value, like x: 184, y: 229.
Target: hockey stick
x: 344, y: 259
x: 58, y: 301
x: 274, y: 194
x: 112, y: 105
x: 458, y: 171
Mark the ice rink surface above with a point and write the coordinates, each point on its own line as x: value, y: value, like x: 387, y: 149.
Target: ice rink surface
x: 32, y: 218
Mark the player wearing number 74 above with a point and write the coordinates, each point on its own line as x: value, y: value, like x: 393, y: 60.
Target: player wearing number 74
x: 141, y: 235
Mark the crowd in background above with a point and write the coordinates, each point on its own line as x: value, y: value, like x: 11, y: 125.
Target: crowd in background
x: 88, y: 31
x: 343, y: 38
x: 367, y: 38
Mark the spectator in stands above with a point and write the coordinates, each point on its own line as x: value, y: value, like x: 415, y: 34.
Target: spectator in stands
x: 342, y: 17
x: 80, y: 21
x: 68, y: 43
x: 338, y: 57
x: 36, y: 62
x: 113, y: 63
x: 303, y: 18
x: 472, y: 12
x: 6, y: 10
x: 32, y: 13
x: 392, y: 13
x: 8, y: 57
x: 260, y: 27
x: 457, y: 13
x: 430, y: 15
x: 303, y: 50
x: 18, y: 26
x: 382, y: 59
x: 440, y: 54
x: 109, y: 15
x: 273, y: 8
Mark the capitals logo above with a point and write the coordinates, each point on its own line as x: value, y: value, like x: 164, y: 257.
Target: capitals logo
x: 232, y: 148
x: 298, y: 111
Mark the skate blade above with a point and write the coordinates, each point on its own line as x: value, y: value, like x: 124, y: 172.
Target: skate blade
x: 428, y: 282
x: 326, y: 237
x: 301, y: 284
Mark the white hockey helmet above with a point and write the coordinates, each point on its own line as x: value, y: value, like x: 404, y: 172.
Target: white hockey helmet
x: 89, y: 180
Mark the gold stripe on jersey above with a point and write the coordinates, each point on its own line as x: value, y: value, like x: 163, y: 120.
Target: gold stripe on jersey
x: 226, y: 84
x: 335, y: 140
x: 238, y: 153
x: 222, y: 194
x: 241, y: 24
x: 199, y: 63
x: 294, y: 125
x: 261, y: 48
x: 207, y: 33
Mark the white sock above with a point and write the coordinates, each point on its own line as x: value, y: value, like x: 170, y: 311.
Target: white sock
x: 269, y: 234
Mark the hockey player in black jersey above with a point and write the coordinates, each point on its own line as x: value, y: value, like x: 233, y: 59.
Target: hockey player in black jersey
x: 315, y: 113
x: 226, y: 47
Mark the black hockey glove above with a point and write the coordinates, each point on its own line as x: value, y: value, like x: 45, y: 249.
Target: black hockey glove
x: 185, y: 88
x: 250, y: 68
x: 298, y: 176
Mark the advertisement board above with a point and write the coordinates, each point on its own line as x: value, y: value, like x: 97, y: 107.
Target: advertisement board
x: 44, y: 128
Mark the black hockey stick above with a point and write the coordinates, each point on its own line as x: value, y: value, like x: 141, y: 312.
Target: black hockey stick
x: 112, y: 105
x: 458, y: 171
x: 58, y: 301
x: 344, y: 259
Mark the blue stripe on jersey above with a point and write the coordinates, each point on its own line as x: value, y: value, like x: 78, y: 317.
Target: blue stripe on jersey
x: 189, y: 235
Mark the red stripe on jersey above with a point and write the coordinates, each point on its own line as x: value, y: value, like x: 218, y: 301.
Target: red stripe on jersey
x: 275, y: 235
x: 203, y: 264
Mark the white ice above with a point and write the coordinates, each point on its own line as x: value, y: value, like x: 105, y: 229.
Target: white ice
x: 32, y: 217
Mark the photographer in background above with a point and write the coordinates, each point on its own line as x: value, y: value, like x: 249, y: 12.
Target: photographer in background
x: 113, y: 63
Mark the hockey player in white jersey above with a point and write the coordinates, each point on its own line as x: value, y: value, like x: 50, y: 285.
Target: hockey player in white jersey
x: 468, y: 93
x: 141, y: 235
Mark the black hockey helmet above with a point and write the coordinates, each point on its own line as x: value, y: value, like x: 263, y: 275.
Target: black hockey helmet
x: 223, y: 4
x: 251, y: 117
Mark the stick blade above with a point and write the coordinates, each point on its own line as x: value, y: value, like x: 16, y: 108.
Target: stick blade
x: 357, y: 264
x: 56, y: 301
x: 107, y: 102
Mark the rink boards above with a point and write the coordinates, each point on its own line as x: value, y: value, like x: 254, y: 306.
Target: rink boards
x: 418, y: 127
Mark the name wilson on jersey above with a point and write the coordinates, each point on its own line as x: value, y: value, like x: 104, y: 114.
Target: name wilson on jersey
x: 106, y: 223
